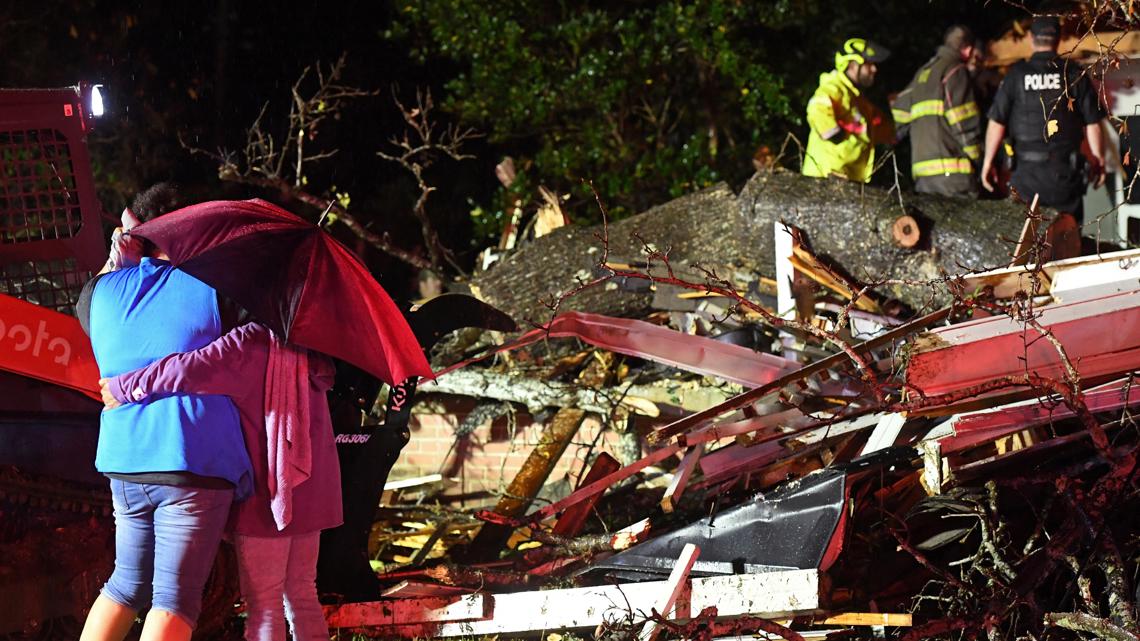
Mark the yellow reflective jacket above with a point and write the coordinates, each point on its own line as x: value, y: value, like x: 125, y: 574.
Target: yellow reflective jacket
x: 845, y: 127
x: 938, y: 111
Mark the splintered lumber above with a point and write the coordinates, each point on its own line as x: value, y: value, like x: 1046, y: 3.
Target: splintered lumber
x: 886, y: 431
x: 572, y: 520
x: 1100, y: 337
x: 681, y: 478
x: 587, y: 491
x: 807, y: 264
x: 891, y: 619
x: 704, y: 417
x: 407, y: 589
x: 676, y: 582
x: 786, y: 418
x: 631, y: 535
x: 736, y: 460
x: 1028, y: 235
x: 970, y: 430
x: 529, y: 480
x: 401, y: 611
x: 767, y: 595
x: 847, y: 224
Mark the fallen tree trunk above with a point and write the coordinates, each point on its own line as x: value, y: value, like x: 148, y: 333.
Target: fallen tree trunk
x: 861, y: 229
x: 847, y: 224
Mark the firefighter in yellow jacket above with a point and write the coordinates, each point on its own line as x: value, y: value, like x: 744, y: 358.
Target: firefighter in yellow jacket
x: 937, y: 110
x: 845, y: 126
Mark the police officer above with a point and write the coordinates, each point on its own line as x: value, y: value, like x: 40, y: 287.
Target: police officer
x: 1047, y: 106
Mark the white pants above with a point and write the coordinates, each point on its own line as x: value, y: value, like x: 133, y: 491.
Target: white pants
x: 278, y: 575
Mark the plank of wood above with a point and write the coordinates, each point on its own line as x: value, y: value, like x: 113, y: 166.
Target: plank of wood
x: 602, y: 484
x: 717, y: 431
x: 631, y: 534
x: 886, y: 431
x: 704, y: 417
x: 572, y: 520
x: 807, y: 264
x: 411, y: 589
x: 418, y: 481
x: 768, y: 595
x: 892, y: 619
x: 681, y: 478
x: 404, y: 611
x: 677, y: 581
x: 1028, y: 235
x: 528, y: 481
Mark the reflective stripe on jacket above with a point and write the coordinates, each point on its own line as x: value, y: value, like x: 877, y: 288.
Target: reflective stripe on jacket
x: 845, y: 127
x: 937, y: 110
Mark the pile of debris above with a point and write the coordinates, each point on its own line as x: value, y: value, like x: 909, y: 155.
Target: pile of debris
x: 969, y: 470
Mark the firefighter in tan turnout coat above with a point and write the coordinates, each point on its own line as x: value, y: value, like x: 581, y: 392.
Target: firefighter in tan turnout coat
x: 937, y: 110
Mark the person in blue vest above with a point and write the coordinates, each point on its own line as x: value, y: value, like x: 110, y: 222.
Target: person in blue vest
x: 176, y: 463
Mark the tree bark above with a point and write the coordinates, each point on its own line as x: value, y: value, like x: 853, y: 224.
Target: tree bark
x: 848, y: 224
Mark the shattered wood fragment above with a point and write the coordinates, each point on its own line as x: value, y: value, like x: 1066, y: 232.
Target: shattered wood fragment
x: 807, y: 264
x: 631, y: 535
x: 970, y: 430
x: 415, y: 589
x: 886, y: 432
x: 892, y: 619
x: 404, y: 611
x: 702, y: 418
x: 572, y: 520
x: 596, y: 487
x: 718, y: 431
x: 529, y: 480
x: 675, y: 584
x: 1028, y: 236
x: 681, y: 478
x: 477, y: 576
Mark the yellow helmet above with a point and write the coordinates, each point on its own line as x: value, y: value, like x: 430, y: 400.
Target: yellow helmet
x: 859, y: 51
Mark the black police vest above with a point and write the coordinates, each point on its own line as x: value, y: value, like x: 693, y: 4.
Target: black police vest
x: 1038, y: 88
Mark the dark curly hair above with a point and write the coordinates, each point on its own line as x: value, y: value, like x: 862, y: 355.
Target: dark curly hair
x: 158, y: 199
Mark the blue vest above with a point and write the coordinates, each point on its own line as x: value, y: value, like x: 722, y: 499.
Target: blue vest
x: 139, y: 315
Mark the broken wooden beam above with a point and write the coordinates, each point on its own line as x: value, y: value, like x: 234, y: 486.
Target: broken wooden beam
x: 675, y: 584
x: 681, y: 478
x: 577, y: 496
x: 404, y: 611
x: 769, y: 595
x: 747, y: 398
x: 528, y: 481
x: 572, y: 520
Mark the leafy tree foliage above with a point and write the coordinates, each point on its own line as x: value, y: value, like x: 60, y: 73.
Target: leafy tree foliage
x: 648, y: 100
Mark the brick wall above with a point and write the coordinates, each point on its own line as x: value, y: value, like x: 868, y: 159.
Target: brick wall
x: 488, y: 458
